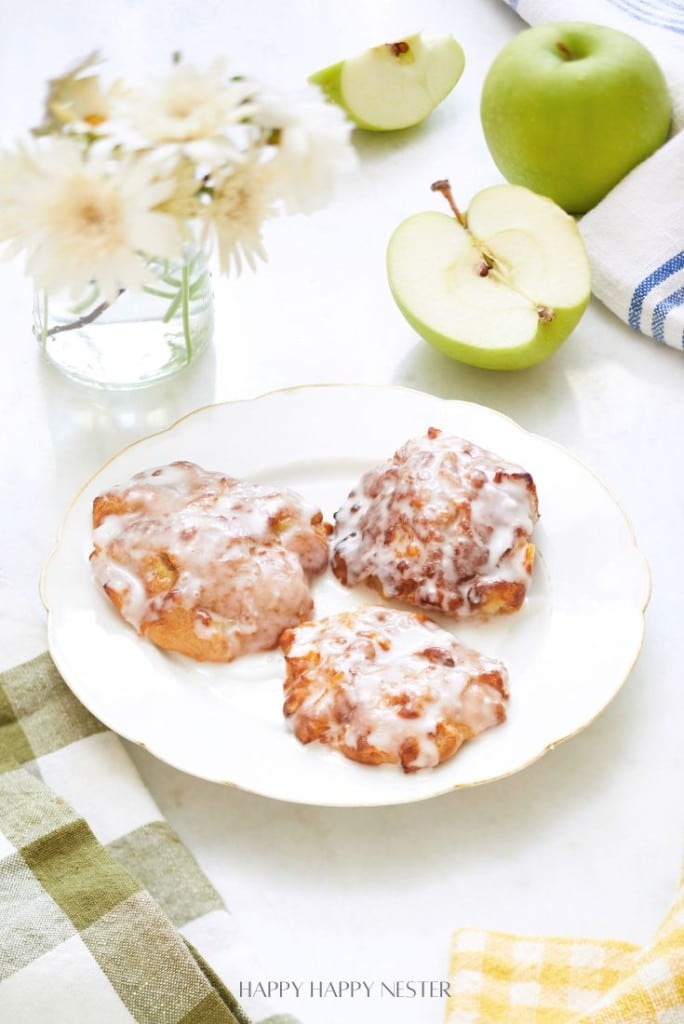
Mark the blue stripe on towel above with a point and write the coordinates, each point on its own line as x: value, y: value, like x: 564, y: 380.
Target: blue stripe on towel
x: 657, y: 276
x: 662, y: 310
x: 668, y: 17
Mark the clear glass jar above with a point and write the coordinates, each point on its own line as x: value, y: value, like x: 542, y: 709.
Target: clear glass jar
x: 140, y: 337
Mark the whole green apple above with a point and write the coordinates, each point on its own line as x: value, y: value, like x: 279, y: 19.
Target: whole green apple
x: 569, y: 108
x: 501, y: 286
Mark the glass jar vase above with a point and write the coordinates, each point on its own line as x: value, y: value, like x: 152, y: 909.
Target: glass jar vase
x: 139, y: 337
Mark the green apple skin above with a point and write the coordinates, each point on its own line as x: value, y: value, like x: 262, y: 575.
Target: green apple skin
x: 491, y: 320
x: 328, y: 80
x: 383, y: 90
x: 569, y: 108
x: 549, y: 337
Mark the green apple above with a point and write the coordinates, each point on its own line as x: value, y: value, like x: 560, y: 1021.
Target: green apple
x: 501, y: 287
x: 394, y: 85
x: 569, y: 108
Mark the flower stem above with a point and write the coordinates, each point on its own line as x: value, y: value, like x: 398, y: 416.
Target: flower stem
x: 83, y: 320
x: 87, y: 302
x: 173, y: 308
x: 185, y: 303
x: 43, y: 328
x: 158, y: 292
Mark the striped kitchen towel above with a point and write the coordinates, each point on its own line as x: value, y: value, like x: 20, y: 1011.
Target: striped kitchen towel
x: 104, y: 914
x: 521, y: 980
x: 635, y: 236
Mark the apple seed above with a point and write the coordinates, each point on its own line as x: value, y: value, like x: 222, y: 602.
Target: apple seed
x: 398, y: 48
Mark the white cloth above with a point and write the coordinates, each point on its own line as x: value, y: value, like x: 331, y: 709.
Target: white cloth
x: 635, y: 236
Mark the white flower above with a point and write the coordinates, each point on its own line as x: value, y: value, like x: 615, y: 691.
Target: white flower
x: 313, y: 148
x: 80, y: 103
x: 78, y: 219
x: 242, y: 199
x: 118, y: 178
x: 184, y: 201
x: 189, y: 109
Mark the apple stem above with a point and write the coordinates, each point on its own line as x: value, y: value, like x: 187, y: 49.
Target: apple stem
x: 444, y: 187
x: 565, y: 51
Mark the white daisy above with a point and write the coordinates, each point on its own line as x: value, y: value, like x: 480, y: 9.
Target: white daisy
x: 80, y: 103
x: 185, y: 200
x: 313, y: 148
x: 193, y: 111
x: 242, y: 200
x: 79, y: 220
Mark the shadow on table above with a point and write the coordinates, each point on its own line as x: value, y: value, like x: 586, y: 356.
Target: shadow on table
x: 510, y: 392
x: 88, y: 425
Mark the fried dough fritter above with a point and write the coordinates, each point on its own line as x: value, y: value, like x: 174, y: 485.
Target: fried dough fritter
x: 443, y: 525
x: 204, y: 564
x: 384, y: 686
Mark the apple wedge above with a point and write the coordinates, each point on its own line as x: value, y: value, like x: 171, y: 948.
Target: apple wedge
x: 500, y: 288
x: 394, y: 85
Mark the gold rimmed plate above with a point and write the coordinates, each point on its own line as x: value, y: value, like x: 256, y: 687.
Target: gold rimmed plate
x: 568, y: 650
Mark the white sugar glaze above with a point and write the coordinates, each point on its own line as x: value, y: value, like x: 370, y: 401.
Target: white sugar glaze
x: 238, y: 554
x: 248, y: 510
x: 382, y: 677
x: 443, y: 520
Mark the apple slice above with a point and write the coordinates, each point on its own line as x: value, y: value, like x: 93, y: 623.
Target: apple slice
x: 394, y: 85
x: 500, y: 288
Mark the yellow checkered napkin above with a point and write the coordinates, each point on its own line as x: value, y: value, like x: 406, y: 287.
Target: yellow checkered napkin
x: 508, y: 979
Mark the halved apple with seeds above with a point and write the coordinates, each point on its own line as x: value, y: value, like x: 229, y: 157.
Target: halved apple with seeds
x: 394, y: 85
x: 500, y: 287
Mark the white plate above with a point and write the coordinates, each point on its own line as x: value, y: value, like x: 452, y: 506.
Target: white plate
x: 568, y: 650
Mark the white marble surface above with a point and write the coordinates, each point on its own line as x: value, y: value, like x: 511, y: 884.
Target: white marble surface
x: 587, y: 840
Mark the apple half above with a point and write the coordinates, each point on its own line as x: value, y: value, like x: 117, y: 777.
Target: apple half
x: 394, y: 85
x: 500, y: 287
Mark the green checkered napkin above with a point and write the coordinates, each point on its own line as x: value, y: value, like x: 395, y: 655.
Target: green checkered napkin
x: 104, y: 914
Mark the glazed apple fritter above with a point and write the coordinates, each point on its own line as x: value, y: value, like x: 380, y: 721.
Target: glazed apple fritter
x: 204, y: 564
x: 389, y: 687
x: 443, y: 525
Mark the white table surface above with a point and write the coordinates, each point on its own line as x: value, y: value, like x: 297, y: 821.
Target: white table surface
x: 588, y: 839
